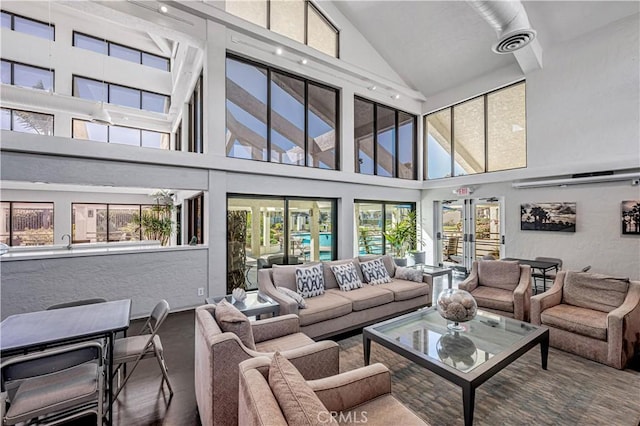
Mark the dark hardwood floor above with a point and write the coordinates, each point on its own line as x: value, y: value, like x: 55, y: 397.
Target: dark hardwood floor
x: 143, y: 401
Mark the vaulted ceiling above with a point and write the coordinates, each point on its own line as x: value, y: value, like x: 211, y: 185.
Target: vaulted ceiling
x: 437, y: 45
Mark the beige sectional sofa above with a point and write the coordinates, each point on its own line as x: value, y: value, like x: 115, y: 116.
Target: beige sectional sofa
x: 338, y: 311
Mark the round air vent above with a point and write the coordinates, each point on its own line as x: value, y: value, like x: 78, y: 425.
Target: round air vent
x: 514, y: 40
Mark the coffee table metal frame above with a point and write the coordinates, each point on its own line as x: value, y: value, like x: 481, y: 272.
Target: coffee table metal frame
x: 468, y: 381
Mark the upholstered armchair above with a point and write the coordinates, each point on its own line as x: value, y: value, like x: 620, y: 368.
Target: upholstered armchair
x: 218, y: 354
x: 501, y: 287
x: 591, y: 315
x: 357, y: 396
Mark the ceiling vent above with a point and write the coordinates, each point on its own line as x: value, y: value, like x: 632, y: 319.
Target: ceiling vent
x: 511, y: 42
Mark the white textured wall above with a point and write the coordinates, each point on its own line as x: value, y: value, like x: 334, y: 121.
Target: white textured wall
x: 145, y: 278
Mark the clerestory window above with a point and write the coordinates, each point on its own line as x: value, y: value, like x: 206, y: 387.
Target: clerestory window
x: 299, y: 20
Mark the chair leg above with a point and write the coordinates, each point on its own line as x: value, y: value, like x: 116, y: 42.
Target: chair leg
x: 165, y: 372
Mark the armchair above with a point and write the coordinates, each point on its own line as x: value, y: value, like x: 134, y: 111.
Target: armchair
x: 591, y: 315
x: 358, y: 396
x: 500, y: 287
x: 218, y: 354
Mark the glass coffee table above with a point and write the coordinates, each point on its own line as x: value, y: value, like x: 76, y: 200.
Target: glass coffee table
x: 467, y: 358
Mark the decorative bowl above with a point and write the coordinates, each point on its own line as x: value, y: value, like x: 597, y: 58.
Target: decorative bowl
x: 458, y: 306
x: 458, y: 351
x: 239, y: 294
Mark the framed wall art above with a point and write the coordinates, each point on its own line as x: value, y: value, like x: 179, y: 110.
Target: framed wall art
x: 548, y: 217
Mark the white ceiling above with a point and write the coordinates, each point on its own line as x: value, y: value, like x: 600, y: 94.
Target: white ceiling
x: 437, y: 45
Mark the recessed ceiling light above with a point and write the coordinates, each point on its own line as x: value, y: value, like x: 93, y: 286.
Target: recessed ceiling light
x: 372, y: 88
x: 279, y: 51
x: 164, y: 9
x: 396, y: 96
x: 304, y: 61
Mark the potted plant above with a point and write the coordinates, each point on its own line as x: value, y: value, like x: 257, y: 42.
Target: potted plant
x: 418, y: 255
x: 401, y: 236
x: 156, y: 222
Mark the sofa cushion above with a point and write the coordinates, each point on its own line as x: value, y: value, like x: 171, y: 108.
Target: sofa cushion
x: 409, y: 274
x: 329, y: 277
x: 294, y: 295
x: 346, y: 276
x: 594, y: 291
x: 587, y: 322
x: 231, y: 320
x: 284, y: 276
x: 366, y: 297
x: 405, y: 290
x: 388, y: 261
x: 284, y: 343
x: 499, y: 274
x: 383, y: 410
x: 493, y: 298
x: 375, y: 272
x: 329, y: 305
x: 310, y: 281
x: 299, y: 403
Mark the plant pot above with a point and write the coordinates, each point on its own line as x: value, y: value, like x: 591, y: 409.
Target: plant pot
x: 400, y: 261
x: 418, y: 256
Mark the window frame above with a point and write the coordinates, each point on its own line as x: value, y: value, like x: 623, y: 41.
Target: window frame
x: 108, y: 46
x: 13, y: 24
x: 140, y: 206
x: 269, y: 69
x: 73, y: 120
x: 13, y: 63
x: 396, y: 165
x: 11, y: 110
x: 195, y: 222
x: 108, y: 84
x: 384, y: 204
x: 195, y: 122
x: 485, y: 97
x: 11, y: 203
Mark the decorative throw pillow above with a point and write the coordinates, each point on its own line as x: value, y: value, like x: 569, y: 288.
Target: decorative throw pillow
x: 299, y: 403
x: 347, y: 276
x: 295, y: 296
x: 310, y: 281
x: 408, y: 274
x: 231, y: 320
x: 374, y: 272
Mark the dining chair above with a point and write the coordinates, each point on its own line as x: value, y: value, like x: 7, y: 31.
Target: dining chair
x: 77, y: 303
x: 54, y: 385
x: 136, y: 348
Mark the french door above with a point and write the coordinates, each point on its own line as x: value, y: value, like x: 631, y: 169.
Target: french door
x: 468, y: 229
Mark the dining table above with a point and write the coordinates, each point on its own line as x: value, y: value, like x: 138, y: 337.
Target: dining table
x: 35, y: 331
x: 543, y: 266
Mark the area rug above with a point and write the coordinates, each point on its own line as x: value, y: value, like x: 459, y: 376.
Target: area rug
x: 572, y: 391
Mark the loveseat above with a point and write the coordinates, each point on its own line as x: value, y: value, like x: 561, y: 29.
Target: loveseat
x: 591, y: 315
x: 338, y: 311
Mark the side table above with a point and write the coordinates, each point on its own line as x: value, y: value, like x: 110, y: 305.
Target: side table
x: 434, y: 271
x: 255, y: 304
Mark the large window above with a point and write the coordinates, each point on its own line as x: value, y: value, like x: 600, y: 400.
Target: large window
x: 26, y: 224
x: 483, y: 134
x: 93, y: 223
x: 28, y: 76
x: 263, y: 231
x: 299, y: 20
x: 278, y: 117
x: 27, y: 25
x: 195, y: 120
x: 373, y: 219
x: 27, y: 121
x: 100, y: 91
x: 195, y: 219
x: 119, y: 135
x: 385, y: 140
x: 110, y: 48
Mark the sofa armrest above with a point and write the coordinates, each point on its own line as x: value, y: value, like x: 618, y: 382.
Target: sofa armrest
x: 344, y: 391
x: 267, y: 286
x: 471, y: 282
x: 257, y: 406
x: 522, y: 294
x: 551, y: 297
x: 272, y: 328
x: 623, y: 328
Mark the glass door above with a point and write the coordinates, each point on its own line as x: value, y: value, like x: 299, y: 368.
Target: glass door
x: 469, y: 229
